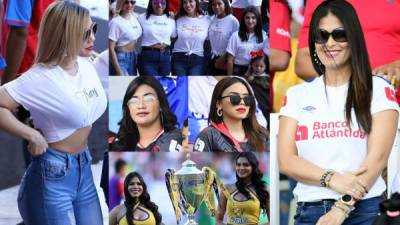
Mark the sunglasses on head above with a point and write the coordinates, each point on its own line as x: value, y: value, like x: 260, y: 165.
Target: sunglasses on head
x: 338, y: 34
x: 93, y: 28
x: 236, y: 99
x: 132, y: 2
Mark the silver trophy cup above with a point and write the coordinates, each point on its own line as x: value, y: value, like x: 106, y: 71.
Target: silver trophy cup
x: 187, y: 189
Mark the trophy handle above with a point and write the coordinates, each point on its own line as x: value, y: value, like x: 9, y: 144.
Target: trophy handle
x: 213, y: 184
x: 172, y: 186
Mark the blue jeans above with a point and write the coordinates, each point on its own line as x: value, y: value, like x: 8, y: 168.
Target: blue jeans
x: 127, y: 63
x: 155, y: 63
x: 365, y: 211
x: 183, y: 65
x: 58, y: 189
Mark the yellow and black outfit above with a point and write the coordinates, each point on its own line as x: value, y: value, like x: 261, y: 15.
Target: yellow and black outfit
x: 149, y: 221
x: 243, y: 212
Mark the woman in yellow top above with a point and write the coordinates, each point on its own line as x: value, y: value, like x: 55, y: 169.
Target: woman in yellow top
x: 137, y: 209
x: 248, y: 198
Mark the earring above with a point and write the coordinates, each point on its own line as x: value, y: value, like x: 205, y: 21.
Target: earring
x: 219, y: 112
x: 316, y: 59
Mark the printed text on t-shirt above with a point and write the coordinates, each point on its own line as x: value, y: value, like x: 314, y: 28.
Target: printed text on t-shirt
x: 323, y: 130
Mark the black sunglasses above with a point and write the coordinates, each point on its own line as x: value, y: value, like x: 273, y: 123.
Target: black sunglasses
x: 132, y: 2
x: 236, y: 99
x: 93, y: 28
x: 338, y: 34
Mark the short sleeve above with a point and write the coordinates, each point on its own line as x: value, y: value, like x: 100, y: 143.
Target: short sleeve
x: 266, y: 46
x: 280, y: 26
x: 175, y: 30
x: 203, y: 142
x: 21, y: 89
x: 290, y: 104
x: 114, y: 31
x: 235, y: 24
x: 383, y: 96
x: 18, y: 13
x: 173, y: 27
x: 232, y: 44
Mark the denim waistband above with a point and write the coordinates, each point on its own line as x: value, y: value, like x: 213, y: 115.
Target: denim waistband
x: 83, y: 157
x: 125, y: 53
x: 317, y: 203
x: 332, y: 201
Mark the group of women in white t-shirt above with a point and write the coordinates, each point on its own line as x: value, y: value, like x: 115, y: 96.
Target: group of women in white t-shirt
x: 155, y: 32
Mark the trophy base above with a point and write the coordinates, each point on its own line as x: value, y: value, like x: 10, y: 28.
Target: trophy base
x: 191, y: 222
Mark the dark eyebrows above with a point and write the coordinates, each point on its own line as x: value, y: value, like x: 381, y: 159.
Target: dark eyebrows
x: 145, y: 94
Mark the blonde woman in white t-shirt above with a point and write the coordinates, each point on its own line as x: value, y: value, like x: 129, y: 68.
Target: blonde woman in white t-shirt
x: 124, y: 32
x: 64, y: 96
x: 191, y: 30
x: 336, y: 132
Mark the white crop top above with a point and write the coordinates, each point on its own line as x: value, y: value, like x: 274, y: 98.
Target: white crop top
x: 192, y: 32
x: 322, y: 136
x: 157, y: 29
x: 58, y: 102
x: 123, y: 31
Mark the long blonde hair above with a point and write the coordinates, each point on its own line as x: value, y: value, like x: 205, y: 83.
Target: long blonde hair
x: 61, y: 33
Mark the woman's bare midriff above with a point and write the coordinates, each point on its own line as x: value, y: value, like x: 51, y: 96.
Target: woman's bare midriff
x: 130, y: 47
x: 73, y: 143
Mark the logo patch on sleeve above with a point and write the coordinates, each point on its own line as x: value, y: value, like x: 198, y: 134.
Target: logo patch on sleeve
x: 390, y: 95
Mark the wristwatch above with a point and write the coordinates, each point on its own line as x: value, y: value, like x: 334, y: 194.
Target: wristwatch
x: 347, y: 200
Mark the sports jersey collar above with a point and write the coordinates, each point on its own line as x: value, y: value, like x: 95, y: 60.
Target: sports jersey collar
x: 140, y: 145
x: 222, y: 128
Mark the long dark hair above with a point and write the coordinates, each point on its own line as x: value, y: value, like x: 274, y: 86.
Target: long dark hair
x: 128, y: 134
x: 144, y: 199
x: 265, y: 12
x: 150, y: 9
x: 182, y: 11
x: 227, y: 8
x: 253, y: 130
x: 256, y: 181
x: 359, y: 94
x: 257, y: 30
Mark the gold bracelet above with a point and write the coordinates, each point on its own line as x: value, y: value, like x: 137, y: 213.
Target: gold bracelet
x: 341, y: 209
x: 345, y: 208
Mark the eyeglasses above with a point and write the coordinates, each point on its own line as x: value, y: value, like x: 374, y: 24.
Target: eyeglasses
x: 236, y: 99
x: 338, y: 34
x: 146, y: 99
x: 88, y: 33
x: 132, y: 2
